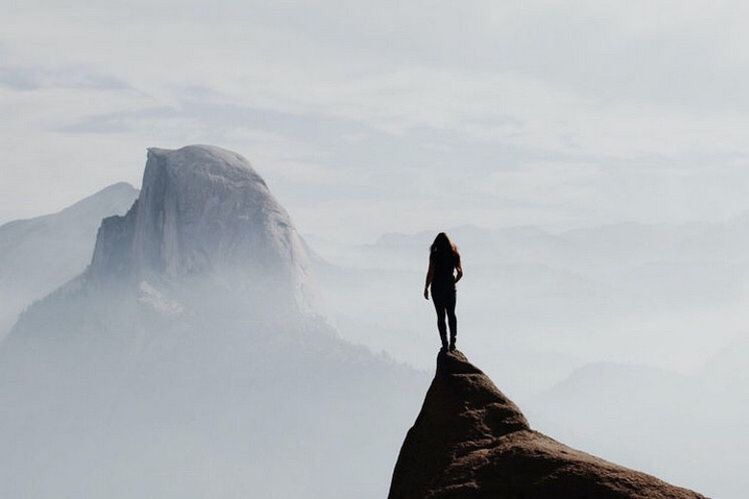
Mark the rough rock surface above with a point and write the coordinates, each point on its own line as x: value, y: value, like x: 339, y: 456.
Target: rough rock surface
x: 204, y: 210
x: 470, y: 441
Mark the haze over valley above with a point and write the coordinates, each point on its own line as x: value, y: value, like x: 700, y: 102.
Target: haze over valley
x: 188, y: 359
x: 600, y: 333
x: 215, y: 226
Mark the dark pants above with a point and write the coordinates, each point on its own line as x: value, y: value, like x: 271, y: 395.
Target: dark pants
x: 444, y: 303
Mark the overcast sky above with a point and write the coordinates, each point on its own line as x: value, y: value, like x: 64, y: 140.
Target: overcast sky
x: 371, y: 117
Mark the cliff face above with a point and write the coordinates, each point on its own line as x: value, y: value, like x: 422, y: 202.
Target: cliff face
x: 177, y: 368
x: 204, y: 211
x: 470, y: 441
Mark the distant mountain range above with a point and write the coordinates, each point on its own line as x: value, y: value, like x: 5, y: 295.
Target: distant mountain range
x: 626, y: 340
x: 188, y: 359
x: 664, y: 422
x: 195, y: 303
x: 40, y: 254
x: 569, y: 293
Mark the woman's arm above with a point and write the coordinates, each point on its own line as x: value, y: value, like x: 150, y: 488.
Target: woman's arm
x: 459, y: 269
x: 430, y: 273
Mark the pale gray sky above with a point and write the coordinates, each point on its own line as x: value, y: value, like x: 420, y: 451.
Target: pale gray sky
x: 369, y: 117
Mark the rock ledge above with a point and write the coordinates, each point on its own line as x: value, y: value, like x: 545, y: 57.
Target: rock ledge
x: 471, y: 441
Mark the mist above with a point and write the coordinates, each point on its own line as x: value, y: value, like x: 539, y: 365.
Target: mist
x: 627, y: 340
x: 188, y: 359
x: 38, y: 255
x: 208, y: 327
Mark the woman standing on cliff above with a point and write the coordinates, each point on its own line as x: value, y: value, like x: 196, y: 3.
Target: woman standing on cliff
x: 444, y: 262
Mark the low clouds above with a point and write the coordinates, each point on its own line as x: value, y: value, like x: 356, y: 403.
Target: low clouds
x: 38, y: 77
x: 578, y: 114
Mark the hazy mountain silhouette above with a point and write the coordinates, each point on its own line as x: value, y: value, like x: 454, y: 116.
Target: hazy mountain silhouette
x: 536, y: 306
x: 188, y: 360
x: 573, y: 292
x: 636, y: 413
x: 39, y: 254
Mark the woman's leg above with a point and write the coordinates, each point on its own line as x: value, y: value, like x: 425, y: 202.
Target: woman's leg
x: 452, y: 320
x: 439, y: 307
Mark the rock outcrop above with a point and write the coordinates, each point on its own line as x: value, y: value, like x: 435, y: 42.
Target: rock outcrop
x: 471, y: 442
x: 176, y: 366
x: 204, y: 211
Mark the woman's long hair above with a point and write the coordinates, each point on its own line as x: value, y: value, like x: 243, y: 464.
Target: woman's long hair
x: 442, y: 246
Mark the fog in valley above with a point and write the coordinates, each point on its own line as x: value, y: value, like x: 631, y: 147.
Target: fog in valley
x: 206, y: 352
x: 189, y: 359
x: 626, y: 340
x: 37, y: 255
x: 246, y: 319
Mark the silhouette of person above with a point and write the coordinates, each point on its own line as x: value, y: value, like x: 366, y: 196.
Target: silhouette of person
x: 444, y: 261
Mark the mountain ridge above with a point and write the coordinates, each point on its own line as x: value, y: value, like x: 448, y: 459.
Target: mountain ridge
x: 180, y: 376
x: 42, y: 253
